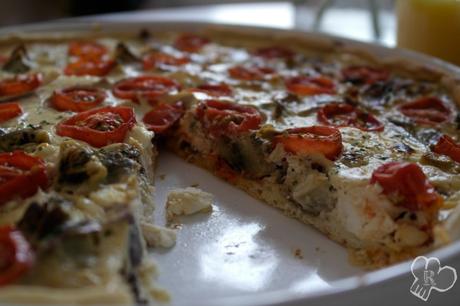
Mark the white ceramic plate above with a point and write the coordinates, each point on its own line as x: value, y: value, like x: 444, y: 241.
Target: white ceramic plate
x: 243, y: 253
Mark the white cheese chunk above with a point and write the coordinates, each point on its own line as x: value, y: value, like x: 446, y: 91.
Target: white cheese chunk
x: 187, y: 201
x: 158, y: 236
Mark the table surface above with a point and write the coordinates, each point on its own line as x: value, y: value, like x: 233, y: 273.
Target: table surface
x: 284, y: 15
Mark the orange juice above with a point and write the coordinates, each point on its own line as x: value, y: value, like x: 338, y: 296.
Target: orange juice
x: 430, y: 26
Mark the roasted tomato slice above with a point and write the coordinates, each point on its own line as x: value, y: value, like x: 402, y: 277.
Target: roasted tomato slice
x: 89, y: 50
x: 364, y: 75
x: 159, y: 59
x: 77, y: 99
x: 448, y: 147
x: 227, y: 118
x: 144, y: 87
x: 94, y: 67
x: 20, y: 85
x: 429, y: 111
x: 9, y: 111
x: 162, y: 117
x: 307, y: 86
x: 249, y: 73
x: 215, y: 90
x: 16, y: 256
x: 313, y: 139
x: 20, y: 175
x: 273, y: 52
x: 190, y: 42
x: 99, y: 127
x: 342, y: 114
x: 406, y: 185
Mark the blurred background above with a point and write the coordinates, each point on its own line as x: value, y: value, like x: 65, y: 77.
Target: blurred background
x: 430, y: 26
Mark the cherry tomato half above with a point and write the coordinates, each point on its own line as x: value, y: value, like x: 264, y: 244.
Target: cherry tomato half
x: 323, y: 140
x: 20, y: 175
x: 20, y: 85
x: 307, y: 86
x: 406, y: 185
x: 162, y: 117
x: 158, y: 59
x: 89, y: 50
x: 16, y: 256
x: 342, y: 114
x: 227, y: 118
x: 190, y: 42
x: 147, y: 87
x: 249, y: 73
x: 429, y: 111
x: 77, y: 99
x: 9, y: 111
x: 364, y: 75
x: 99, y: 127
x: 448, y: 147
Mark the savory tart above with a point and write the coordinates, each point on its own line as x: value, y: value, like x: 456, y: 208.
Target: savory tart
x: 366, y: 151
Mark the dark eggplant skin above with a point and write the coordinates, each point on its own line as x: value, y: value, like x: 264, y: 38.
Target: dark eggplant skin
x: 18, y: 61
x: 123, y: 55
x: 19, y: 139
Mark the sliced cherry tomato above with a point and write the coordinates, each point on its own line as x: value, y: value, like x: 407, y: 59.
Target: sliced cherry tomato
x: 190, y: 42
x: 77, y: 99
x: 448, y: 147
x: 158, y: 59
x: 99, y: 127
x: 274, y: 52
x: 94, y: 67
x: 227, y: 118
x: 429, y: 111
x: 342, y: 114
x: 162, y: 117
x: 406, y: 185
x: 9, y: 111
x: 364, y: 75
x: 147, y: 87
x: 20, y: 85
x: 313, y: 139
x: 249, y: 73
x: 215, y: 90
x: 89, y: 50
x: 307, y: 86
x: 16, y: 256
x: 20, y: 175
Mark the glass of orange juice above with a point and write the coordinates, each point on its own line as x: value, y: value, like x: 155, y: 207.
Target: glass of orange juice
x: 430, y: 26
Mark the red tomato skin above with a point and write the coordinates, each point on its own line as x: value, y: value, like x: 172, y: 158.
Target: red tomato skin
x: 9, y: 111
x: 214, y: 115
x: 365, y: 75
x: 20, y: 85
x: 147, y: 87
x: 158, y: 59
x: 249, y: 73
x: 87, y: 49
x: 65, y: 100
x: 448, y: 147
x: 310, y: 140
x: 93, y: 67
x: 16, y: 253
x: 96, y: 138
x: 407, y: 181
x: 162, y: 117
x: 20, y: 175
x: 351, y: 116
x: 309, y: 86
x: 189, y: 42
x: 428, y: 111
